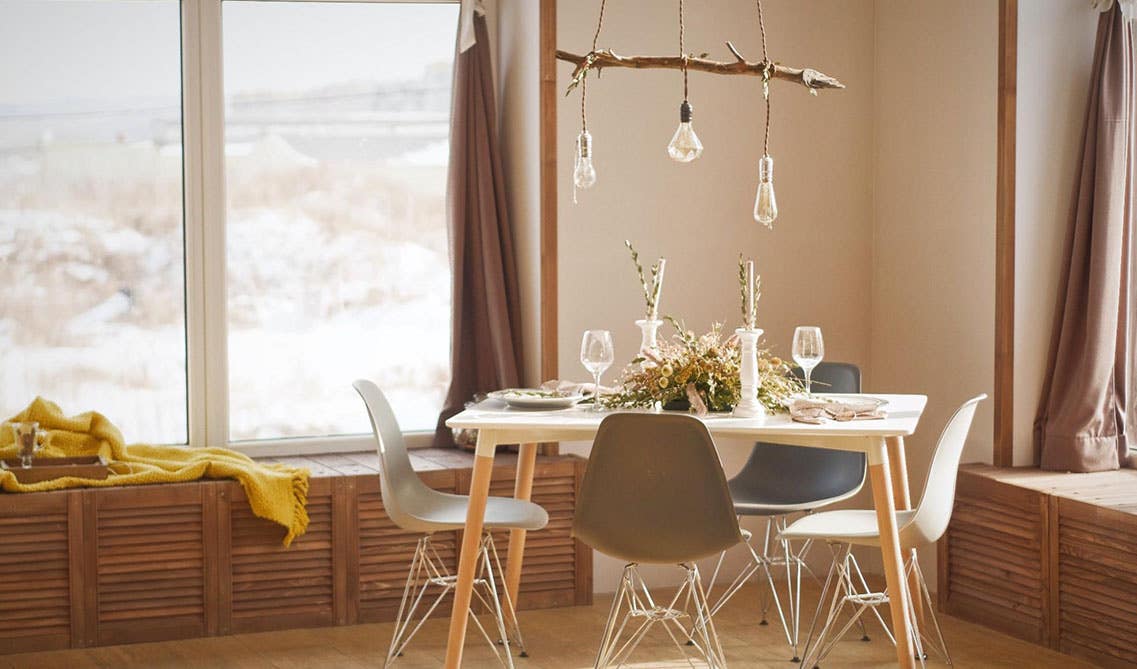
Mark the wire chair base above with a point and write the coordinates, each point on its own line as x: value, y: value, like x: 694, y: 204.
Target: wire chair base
x: 429, y: 572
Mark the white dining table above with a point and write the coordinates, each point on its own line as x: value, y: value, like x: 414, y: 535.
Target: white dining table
x: 881, y: 440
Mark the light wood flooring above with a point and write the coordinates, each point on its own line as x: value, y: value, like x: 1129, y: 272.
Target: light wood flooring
x: 557, y: 639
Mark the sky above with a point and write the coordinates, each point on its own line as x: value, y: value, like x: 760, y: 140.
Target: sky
x: 84, y: 54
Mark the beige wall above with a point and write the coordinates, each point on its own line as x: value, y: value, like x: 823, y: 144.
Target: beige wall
x: 815, y: 264
x: 932, y: 326
x: 518, y: 55
x: 1052, y: 87
x: 886, y: 189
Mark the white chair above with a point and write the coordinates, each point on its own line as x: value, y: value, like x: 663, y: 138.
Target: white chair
x: 414, y: 506
x: 921, y: 526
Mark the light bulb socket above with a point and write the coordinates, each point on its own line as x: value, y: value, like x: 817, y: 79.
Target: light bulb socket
x: 686, y: 112
x: 584, y: 144
x: 766, y: 169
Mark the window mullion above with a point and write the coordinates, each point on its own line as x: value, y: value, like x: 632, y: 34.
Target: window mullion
x: 205, y: 222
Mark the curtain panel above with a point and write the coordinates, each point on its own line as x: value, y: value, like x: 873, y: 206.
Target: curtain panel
x: 1084, y: 422
x: 485, y: 348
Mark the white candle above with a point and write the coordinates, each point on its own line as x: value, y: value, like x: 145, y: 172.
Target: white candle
x: 750, y: 320
x: 658, y: 289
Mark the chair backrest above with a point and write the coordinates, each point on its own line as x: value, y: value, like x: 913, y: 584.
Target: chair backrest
x: 795, y: 475
x: 934, y: 511
x: 401, y: 489
x: 654, y: 491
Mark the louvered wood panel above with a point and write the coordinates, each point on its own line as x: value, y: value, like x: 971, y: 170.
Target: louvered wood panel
x: 150, y: 563
x: 992, y: 558
x: 1097, y: 575
x: 280, y: 588
x: 385, y: 550
x: 34, y: 552
x: 548, y: 575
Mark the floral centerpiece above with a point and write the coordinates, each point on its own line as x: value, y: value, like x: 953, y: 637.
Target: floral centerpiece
x: 701, y: 371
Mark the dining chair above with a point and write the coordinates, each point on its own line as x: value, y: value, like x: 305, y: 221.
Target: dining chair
x: 415, y: 507
x: 778, y: 481
x: 654, y: 493
x: 919, y: 527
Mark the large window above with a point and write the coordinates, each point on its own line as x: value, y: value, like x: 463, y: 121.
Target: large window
x: 309, y: 247
x: 336, y: 126
x: 92, y: 307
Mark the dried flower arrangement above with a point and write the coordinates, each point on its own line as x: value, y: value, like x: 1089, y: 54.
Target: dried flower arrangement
x: 703, y: 370
x: 653, y: 290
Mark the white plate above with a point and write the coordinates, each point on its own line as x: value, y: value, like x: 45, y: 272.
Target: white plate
x: 535, y: 398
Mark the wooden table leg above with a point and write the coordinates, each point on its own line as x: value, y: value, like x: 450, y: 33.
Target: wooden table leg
x: 471, y: 537
x: 522, y: 489
x: 884, y: 503
x: 898, y: 465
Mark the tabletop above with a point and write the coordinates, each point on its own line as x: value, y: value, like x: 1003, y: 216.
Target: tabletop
x: 903, y: 415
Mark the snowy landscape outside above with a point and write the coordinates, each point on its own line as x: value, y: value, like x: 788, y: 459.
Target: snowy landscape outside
x: 335, y: 159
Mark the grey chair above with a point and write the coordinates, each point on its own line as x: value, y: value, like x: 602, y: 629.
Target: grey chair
x: 414, y: 506
x: 778, y: 481
x: 655, y: 493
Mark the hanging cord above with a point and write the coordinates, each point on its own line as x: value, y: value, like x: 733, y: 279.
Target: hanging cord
x: 584, y: 80
x: 767, y: 71
x: 682, y: 51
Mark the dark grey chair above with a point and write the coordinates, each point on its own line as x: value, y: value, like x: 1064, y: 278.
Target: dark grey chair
x: 780, y: 480
x: 655, y: 493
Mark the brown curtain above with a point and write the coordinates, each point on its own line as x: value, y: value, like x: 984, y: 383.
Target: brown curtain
x: 1081, y: 423
x: 485, y: 348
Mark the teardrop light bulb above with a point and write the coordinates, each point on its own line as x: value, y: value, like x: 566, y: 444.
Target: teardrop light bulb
x: 765, y: 204
x: 685, y: 145
x: 584, y: 174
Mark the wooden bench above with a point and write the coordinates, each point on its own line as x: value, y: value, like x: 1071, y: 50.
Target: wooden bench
x: 101, y: 566
x: 1047, y: 557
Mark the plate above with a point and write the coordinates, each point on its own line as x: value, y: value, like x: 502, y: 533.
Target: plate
x: 536, y: 398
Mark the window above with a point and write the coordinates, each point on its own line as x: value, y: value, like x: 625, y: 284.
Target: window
x: 336, y: 140
x: 230, y: 292
x: 92, y: 305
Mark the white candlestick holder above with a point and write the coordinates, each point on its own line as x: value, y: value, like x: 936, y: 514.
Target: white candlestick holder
x: 748, y: 405
x: 649, y: 329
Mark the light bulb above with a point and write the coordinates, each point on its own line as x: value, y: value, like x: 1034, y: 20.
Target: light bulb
x: 584, y: 174
x: 685, y: 145
x: 765, y: 205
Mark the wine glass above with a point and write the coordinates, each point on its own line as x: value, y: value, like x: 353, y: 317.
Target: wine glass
x: 809, y: 349
x: 596, y: 354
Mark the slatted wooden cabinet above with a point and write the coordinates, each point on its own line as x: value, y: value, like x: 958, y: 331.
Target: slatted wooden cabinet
x: 1047, y: 557
x: 123, y: 565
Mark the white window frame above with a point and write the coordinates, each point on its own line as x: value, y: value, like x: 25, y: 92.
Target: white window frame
x: 203, y: 155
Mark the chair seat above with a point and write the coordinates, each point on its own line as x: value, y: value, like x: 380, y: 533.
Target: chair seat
x: 751, y: 500
x: 448, y: 512
x: 851, y: 526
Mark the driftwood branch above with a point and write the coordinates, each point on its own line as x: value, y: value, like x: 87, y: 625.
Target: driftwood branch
x: 598, y: 60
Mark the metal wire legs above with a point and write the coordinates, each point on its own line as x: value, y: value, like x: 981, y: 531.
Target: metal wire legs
x: 845, y: 584
x: 428, y: 572
x: 634, y: 612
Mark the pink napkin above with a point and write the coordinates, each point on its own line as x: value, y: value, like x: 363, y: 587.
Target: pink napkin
x: 819, y: 410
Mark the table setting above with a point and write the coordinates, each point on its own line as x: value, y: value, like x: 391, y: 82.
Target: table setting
x: 730, y: 380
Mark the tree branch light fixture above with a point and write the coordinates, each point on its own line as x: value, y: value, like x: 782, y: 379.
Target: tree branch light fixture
x: 685, y: 145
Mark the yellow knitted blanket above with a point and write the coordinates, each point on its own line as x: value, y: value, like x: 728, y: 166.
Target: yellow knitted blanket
x: 276, y: 492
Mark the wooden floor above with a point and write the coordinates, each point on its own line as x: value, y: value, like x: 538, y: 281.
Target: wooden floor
x: 557, y: 638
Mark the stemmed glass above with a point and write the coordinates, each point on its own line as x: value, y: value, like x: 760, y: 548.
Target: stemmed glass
x: 809, y: 349
x: 596, y: 354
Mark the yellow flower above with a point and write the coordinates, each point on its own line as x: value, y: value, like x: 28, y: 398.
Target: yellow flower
x: 663, y: 382
x: 666, y: 370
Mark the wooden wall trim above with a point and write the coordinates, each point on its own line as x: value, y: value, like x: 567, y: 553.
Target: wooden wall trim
x: 548, y: 106
x: 1004, y: 443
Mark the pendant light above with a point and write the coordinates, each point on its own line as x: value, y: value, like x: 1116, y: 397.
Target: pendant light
x: 685, y: 145
x: 765, y: 203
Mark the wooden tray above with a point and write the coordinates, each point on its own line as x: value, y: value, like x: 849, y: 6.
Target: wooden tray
x: 45, y: 469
